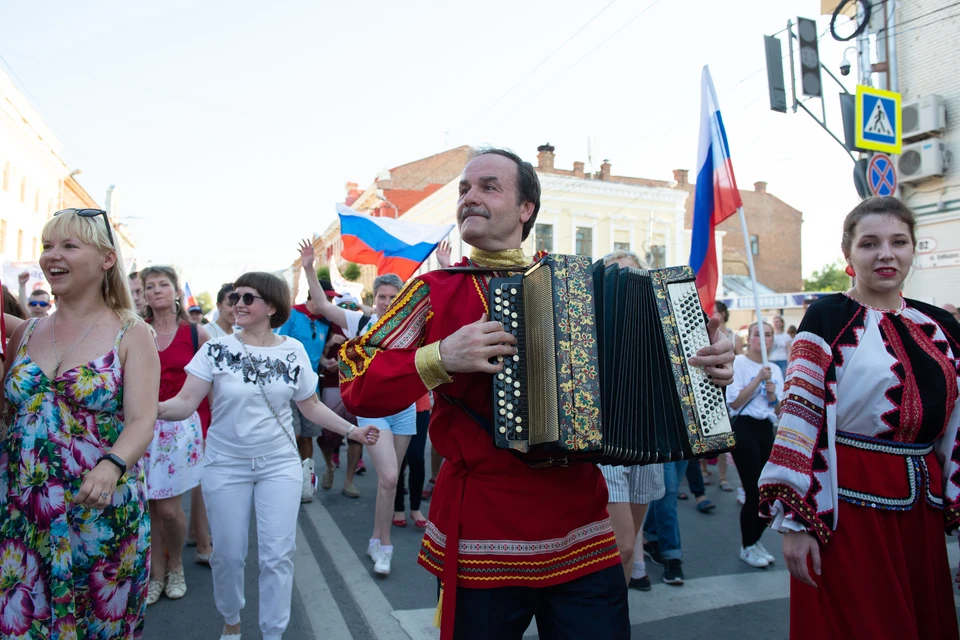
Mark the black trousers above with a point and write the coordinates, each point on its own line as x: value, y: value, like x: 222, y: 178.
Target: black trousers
x: 754, y: 444
x: 591, y: 607
x: 414, y: 460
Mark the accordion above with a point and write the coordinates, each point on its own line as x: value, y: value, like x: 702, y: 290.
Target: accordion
x: 601, y: 372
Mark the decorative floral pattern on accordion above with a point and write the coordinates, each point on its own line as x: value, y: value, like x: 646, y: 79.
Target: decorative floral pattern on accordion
x: 580, y: 408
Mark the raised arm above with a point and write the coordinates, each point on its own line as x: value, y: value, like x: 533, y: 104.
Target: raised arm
x: 324, y: 307
x: 182, y: 406
x: 22, y: 293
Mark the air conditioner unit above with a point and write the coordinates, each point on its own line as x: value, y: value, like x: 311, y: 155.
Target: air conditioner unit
x: 924, y: 116
x: 922, y: 160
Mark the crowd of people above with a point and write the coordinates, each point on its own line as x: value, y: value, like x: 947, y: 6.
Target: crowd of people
x: 121, y: 402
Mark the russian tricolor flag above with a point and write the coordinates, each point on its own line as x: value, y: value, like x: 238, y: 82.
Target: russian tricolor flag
x: 394, y: 246
x: 189, y: 297
x: 716, y: 197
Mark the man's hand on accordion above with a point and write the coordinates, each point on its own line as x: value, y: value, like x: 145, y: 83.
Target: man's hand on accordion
x: 717, y: 359
x: 472, y: 347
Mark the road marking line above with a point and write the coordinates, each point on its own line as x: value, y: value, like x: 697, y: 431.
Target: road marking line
x: 373, y: 605
x: 322, y: 610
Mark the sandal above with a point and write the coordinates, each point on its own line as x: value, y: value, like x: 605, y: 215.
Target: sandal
x: 682, y: 496
x: 705, y: 506
x: 726, y: 486
x: 420, y: 524
x: 400, y: 523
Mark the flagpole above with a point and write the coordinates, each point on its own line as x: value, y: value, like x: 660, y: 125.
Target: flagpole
x: 761, y: 332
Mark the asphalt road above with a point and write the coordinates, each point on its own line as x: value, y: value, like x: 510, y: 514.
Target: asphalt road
x: 337, y: 595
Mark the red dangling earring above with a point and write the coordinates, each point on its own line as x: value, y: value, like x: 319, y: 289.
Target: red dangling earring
x: 850, y: 271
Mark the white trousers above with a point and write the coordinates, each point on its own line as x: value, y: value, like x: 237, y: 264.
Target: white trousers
x: 231, y: 486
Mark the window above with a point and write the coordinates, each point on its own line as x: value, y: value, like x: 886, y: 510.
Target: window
x: 584, y: 241
x: 36, y: 201
x: 23, y: 189
x: 34, y: 253
x: 755, y: 245
x: 6, y: 176
x: 657, y: 257
x: 3, y: 236
x: 20, y: 245
x: 544, y: 237
x: 621, y: 246
x: 621, y: 240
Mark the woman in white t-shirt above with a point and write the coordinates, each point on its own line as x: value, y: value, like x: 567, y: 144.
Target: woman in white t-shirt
x: 396, y: 430
x: 251, y: 455
x: 781, y: 345
x: 753, y: 397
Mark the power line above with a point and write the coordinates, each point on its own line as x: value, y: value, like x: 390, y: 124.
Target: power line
x: 541, y: 63
x: 924, y: 15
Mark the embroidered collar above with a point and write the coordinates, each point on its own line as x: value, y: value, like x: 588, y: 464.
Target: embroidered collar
x: 499, y: 259
x: 897, y: 311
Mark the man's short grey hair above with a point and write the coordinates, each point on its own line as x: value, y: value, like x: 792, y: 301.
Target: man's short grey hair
x: 391, y: 279
x: 613, y: 256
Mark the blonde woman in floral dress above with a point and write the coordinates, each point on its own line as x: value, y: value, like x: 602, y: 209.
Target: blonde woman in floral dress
x: 82, y: 388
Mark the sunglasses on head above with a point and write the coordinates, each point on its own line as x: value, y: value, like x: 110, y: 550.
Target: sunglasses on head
x: 247, y: 298
x: 91, y: 213
x: 39, y: 303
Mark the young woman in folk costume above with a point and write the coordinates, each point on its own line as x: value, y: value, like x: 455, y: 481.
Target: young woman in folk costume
x: 864, y: 472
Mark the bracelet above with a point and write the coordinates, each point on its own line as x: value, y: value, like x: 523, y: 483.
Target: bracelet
x: 430, y: 366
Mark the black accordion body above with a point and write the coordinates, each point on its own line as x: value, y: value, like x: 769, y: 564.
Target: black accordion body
x: 602, y: 374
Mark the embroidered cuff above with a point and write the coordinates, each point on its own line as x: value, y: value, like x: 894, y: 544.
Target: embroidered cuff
x: 430, y: 366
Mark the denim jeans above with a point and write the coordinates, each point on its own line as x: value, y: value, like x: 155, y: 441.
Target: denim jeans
x: 695, y: 478
x: 661, y: 524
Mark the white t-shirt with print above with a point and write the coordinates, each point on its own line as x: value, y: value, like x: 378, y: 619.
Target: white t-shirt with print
x: 242, y: 425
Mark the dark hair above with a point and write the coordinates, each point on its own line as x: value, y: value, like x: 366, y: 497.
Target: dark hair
x: 39, y: 292
x: 10, y: 304
x: 274, y: 291
x: 225, y: 290
x: 885, y: 205
x: 133, y: 274
x: 721, y: 308
x: 528, y: 184
x: 160, y: 271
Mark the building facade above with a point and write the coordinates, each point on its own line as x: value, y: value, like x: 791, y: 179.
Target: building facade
x: 925, y: 68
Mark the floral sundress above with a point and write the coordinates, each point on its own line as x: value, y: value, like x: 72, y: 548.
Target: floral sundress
x: 68, y: 571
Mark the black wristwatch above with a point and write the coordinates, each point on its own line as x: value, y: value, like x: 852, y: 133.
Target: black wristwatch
x: 115, y: 459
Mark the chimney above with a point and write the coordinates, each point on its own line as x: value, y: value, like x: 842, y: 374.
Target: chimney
x: 681, y: 177
x: 605, y: 170
x: 353, y: 192
x: 545, y: 157
x: 577, y: 169
x: 760, y: 187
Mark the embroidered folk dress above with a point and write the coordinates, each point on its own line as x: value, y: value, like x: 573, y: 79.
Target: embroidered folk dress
x: 67, y: 571
x: 494, y: 521
x: 866, y: 460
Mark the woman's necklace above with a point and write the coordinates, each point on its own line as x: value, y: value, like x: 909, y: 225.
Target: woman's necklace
x: 56, y: 370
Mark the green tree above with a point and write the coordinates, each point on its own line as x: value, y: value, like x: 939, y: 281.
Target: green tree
x: 323, y: 273
x: 352, y: 272
x: 205, y: 300
x: 831, y: 277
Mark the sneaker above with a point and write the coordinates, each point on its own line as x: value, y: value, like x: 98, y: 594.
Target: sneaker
x: 176, y: 585
x: 154, y: 589
x: 350, y: 491
x: 762, y: 550
x: 327, y: 482
x: 203, y: 558
x: 641, y: 584
x: 652, y: 552
x: 741, y: 496
x: 752, y: 557
x: 373, y: 550
x: 382, y: 566
x: 360, y: 468
x: 672, y: 573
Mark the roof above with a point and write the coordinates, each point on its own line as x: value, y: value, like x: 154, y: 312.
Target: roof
x: 741, y: 286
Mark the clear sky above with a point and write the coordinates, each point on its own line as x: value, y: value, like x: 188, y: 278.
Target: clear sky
x: 230, y: 128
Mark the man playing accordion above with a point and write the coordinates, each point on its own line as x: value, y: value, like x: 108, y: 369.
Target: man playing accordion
x: 508, y: 542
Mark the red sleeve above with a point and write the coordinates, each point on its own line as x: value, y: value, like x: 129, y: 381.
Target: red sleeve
x: 378, y: 372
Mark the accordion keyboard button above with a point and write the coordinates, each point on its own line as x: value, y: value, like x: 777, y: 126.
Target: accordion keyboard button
x: 516, y: 358
x: 503, y: 412
x: 502, y: 393
x: 503, y: 429
x: 519, y: 429
x: 517, y: 392
x: 519, y: 419
x: 513, y: 291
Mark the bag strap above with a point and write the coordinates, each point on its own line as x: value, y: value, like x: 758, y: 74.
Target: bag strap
x: 364, y: 321
x: 485, y: 424
x: 195, y: 337
x: 248, y: 363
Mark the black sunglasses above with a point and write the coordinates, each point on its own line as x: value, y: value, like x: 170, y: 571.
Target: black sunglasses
x: 247, y: 298
x: 92, y: 213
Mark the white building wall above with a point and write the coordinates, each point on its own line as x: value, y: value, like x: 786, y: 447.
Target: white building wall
x: 927, y: 50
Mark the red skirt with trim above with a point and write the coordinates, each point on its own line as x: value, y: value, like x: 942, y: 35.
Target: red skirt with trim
x: 884, y: 573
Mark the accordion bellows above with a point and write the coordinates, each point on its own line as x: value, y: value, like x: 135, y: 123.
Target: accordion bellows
x: 602, y: 374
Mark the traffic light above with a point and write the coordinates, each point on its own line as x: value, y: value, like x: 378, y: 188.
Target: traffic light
x: 778, y: 91
x: 809, y: 58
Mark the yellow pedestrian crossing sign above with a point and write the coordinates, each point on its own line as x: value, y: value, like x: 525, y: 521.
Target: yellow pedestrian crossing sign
x: 879, y: 127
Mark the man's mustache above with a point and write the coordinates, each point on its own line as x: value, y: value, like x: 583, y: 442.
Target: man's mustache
x: 474, y: 211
